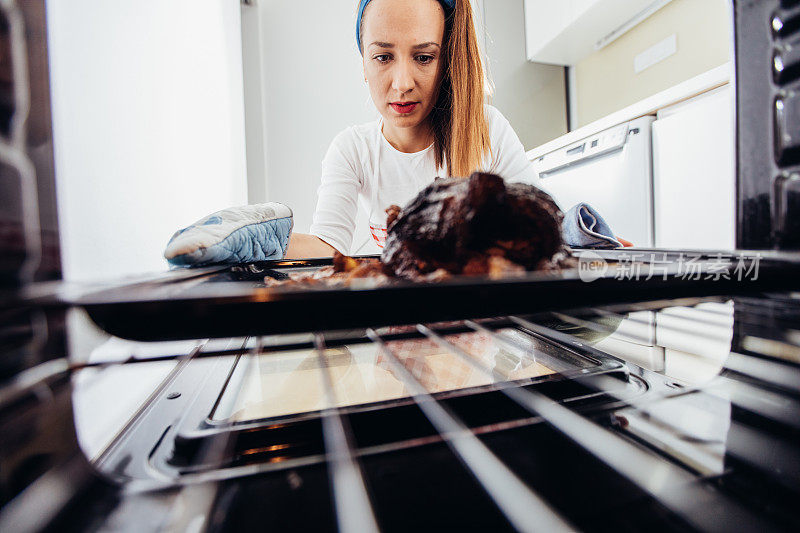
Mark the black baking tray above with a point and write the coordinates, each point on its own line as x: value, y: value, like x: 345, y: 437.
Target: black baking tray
x: 231, y: 302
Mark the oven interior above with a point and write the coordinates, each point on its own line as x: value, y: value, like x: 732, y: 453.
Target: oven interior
x: 626, y: 406
x: 648, y: 414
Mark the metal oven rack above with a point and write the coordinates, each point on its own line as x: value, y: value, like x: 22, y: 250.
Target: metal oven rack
x: 601, y: 444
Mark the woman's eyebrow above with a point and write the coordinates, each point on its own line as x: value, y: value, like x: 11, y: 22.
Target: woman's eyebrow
x: 381, y: 44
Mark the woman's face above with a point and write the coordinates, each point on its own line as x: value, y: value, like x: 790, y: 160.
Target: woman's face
x: 402, y: 44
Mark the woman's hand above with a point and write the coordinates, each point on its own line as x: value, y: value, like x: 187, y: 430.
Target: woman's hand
x: 303, y: 246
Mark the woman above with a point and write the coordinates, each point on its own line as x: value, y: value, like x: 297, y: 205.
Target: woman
x: 422, y: 65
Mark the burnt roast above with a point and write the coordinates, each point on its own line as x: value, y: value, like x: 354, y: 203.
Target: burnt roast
x: 455, y: 226
x: 473, y: 226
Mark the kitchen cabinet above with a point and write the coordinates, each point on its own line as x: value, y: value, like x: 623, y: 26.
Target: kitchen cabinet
x: 694, y: 173
x: 564, y: 32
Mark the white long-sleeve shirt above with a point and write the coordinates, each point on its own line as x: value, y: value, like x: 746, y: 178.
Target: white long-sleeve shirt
x: 361, y: 166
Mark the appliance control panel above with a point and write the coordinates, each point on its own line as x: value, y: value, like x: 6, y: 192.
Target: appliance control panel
x: 596, y: 145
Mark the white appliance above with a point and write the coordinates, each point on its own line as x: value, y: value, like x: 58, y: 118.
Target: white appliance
x: 610, y: 170
x: 694, y: 179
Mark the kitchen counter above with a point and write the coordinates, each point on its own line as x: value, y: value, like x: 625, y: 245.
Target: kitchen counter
x: 712, y: 79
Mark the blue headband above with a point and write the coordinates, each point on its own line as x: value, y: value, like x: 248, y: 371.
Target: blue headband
x: 446, y: 4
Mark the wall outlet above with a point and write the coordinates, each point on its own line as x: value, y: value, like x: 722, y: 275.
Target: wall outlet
x: 656, y: 53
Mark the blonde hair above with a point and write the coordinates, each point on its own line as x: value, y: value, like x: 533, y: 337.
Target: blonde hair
x: 461, y: 139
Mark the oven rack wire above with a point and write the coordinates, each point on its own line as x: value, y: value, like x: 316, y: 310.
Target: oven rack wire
x: 759, y: 379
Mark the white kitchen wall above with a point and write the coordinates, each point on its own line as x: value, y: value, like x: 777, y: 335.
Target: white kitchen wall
x: 313, y: 88
x: 530, y: 95
x: 254, y: 103
x: 606, y: 80
x: 148, y: 120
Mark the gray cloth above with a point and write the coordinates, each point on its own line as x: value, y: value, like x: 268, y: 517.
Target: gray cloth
x: 583, y: 227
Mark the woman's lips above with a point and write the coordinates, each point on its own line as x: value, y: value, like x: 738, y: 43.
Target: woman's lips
x: 404, y: 108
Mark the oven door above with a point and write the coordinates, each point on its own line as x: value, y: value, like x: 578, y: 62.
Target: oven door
x: 502, y: 423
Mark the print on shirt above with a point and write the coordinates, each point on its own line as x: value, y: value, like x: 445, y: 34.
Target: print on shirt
x: 378, y: 233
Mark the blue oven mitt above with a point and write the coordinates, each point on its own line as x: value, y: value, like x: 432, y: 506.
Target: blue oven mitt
x: 235, y: 235
x: 583, y: 227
